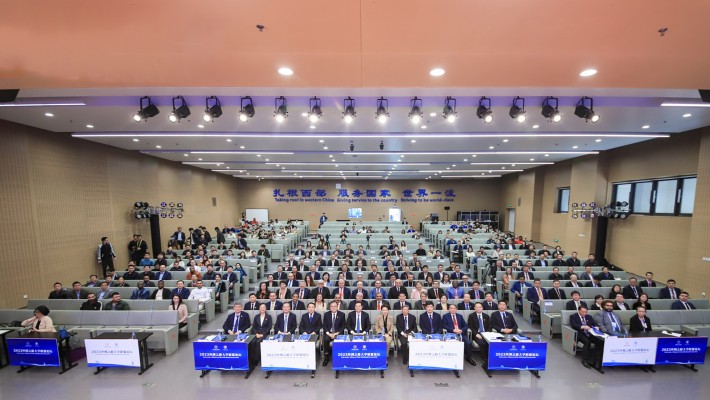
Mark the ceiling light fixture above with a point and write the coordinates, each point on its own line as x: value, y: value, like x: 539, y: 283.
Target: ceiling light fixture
x: 585, y: 109
x: 349, y: 106
x: 280, y: 109
x: 449, y: 112
x: 352, y: 146
x: 484, y: 111
x: 415, y: 113
x: 550, y: 112
x: 89, y: 126
x: 214, y: 111
x: 48, y: 114
x: 687, y: 115
x: 147, y: 110
x: 315, y: 111
x: 382, y: 145
x: 437, y: 72
x: 179, y: 112
x: 285, y: 71
x: 588, y: 72
x: 671, y: 104
x: 517, y: 110
x: 246, y: 109
x: 382, y: 112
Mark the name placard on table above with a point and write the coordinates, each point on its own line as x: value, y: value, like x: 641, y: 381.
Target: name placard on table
x: 288, y: 356
x: 33, y: 352
x: 218, y: 355
x: 123, y: 353
x: 359, y: 354
x: 436, y: 355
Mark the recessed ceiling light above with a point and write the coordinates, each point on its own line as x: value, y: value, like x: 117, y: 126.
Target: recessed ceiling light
x: 575, y: 147
x: 502, y: 167
x: 413, y: 140
x: 89, y: 126
x: 325, y: 147
x: 546, y: 155
x: 465, y: 159
x: 473, y: 155
x: 228, y: 167
x: 598, y: 140
x: 491, y: 147
x: 645, y: 126
x: 136, y: 140
x: 330, y: 155
x: 229, y: 140
x: 532, y: 159
x: 285, y: 71
x: 432, y: 114
x: 512, y: 165
x: 536, y: 126
x: 304, y: 114
x: 241, y: 147
x: 258, y: 155
x: 48, y: 114
x: 687, y: 115
x: 157, y: 146
x: 200, y: 126
x: 186, y: 155
x: 266, y: 159
x: 588, y: 72
x: 321, y: 141
x: 453, y: 165
x: 448, y: 168
x: 423, y: 126
x: 199, y: 159
x: 437, y: 72
x: 313, y: 127
x: 505, y: 140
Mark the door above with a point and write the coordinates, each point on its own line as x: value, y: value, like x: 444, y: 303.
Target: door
x: 511, y: 219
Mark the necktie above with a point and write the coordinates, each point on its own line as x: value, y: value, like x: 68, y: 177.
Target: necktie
x: 357, y: 323
x: 401, y: 305
x: 480, y: 322
x: 576, y: 304
x: 332, y: 326
x: 478, y: 295
x: 285, y: 322
x: 539, y: 294
x: 300, y: 296
x: 379, y: 306
x: 502, y: 318
x: 431, y: 323
x: 310, y: 319
x: 236, y: 323
x: 687, y: 307
x: 636, y: 294
x: 456, y: 322
x: 342, y: 293
x: 643, y: 322
x: 584, y: 323
x: 614, y: 325
x: 558, y: 293
x: 406, y: 323
x: 467, y: 306
x: 179, y: 291
x: 436, y: 293
x: 672, y: 291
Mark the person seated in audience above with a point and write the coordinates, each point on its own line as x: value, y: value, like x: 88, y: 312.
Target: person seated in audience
x: 670, y: 291
x: 526, y: 273
x: 273, y: 304
x: 40, y: 322
x: 573, y: 261
x: 140, y: 293
x: 200, y: 293
x: 559, y: 261
x: 146, y: 261
x: 642, y: 302
x: 536, y: 295
x: 605, y: 275
x: 378, y: 302
x: 295, y: 303
x: 435, y: 292
x: 93, y: 281
x: 320, y: 289
x: 132, y: 274
x: 193, y: 282
x: 333, y: 325
x: 598, y: 303
x: 359, y: 289
x: 210, y: 274
x: 591, y: 261
x: 480, y: 322
x: 443, y: 303
x: 359, y: 298
x: 542, y: 261
x: 77, y: 291
x: 160, y: 260
x: 193, y: 272
x: 311, y: 322
x: 384, y: 325
x: 91, y: 303
x: 555, y: 274
x: 632, y: 290
x: 556, y: 293
x: 503, y: 321
x: 162, y: 274
x: 170, y: 253
x: 569, y: 273
x: 430, y: 321
x: 147, y: 282
x: 574, y: 282
x: 582, y: 322
x: 455, y: 292
x: 177, y: 304
x: 619, y: 303
x: 575, y: 303
x: 519, y: 289
x: 279, y: 275
x: 161, y: 293
x: 116, y: 304
x: 616, y: 289
x: 302, y: 290
x: 489, y: 303
x: 683, y: 303
x: 594, y: 283
x: 286, y: 321
x: 181, y: 290
x: 104, y: 291
x: 640, y: 322
x: 109, y: 278
x: 476, y: 293
x: 420, y: 251
x: 416, y: 291
x: 237, y: 322
x: 609, y: 322
x: 587, y: 275
x: 466, y: 304
x: 177, y: 266
x: 421, y: 303
x: 453, y: 322
x: 263, y: 292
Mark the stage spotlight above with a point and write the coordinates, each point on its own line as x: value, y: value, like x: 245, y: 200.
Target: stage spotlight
x: 517, y: 110
x: 214, y: 111
x: 147, y: 110
x: 280, y: 109
x: 382, y: 114
x: 550, y: 112
x: 584, y: 111
x: 415, y: 114
x: 575, y: 216
x: 352, y: 146
x: 179, y: 112
x: 246, y: 111
x: 137, y: 205
x: 349, y: 114
x: 315, y: 111
x: 382, y: 145
x: 484, y: 111
x: 450, y: 110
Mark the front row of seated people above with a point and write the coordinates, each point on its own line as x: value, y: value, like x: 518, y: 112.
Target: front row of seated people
x: 334, y: 322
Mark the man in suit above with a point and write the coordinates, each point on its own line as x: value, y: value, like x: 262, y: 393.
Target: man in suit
x: 583, y: 323
x: 430, y: 322
x: 399, y: 304
x: 163, y: 274
x: 594, y: 283
x: 632, y: 290
x: 559, y: 261
x: 237, y: 322
x: 455, y: 292
x: 140, y: 293
x: 555, y: 275
x: 303, y: 291
x: 573, y: 282
x: 359, y: 289
x: 230, y: 279
x: 179, y: 236
x: 77, y: 291
x: 489, y: 304
x: 384, y: 325
x: 435, y: 292
x: 252, y: 304
x: 519, y: 288
x: 358, y: 299
x: 476, y: 293
x: 333, y: 261
x: 116, y: 303
x: 299, y: 251
x: 273, y: 304
x: 619, y: 303
x: 480, y: 322
x: 406, y: 324
x: 286, y: 322
x: 453, y: 322
x: 295, y: 303
x: 608, y: 321
x: 670, y: 291
x: 536, y: 295
x: 503, y: 321
x: 105, y: 293
x: 575, y: 303
x: 683, y: 303
x: 358, y: 322
x: 573, y: 261
x: 279, y: 275
x: 605, y: 275
x: 181, y: 291
x: 466, y: 304
x: 396, y: 290
x: 260, y: 329
x: 556, y: 293
x: 320, y: 289
x: 423, y: 276
x: 311, y: 322
x: 343, y: 291
x: 379, y: 302
x: 640, y: 322
x: 422, y: 303
x: 378, y: 289
x: 333, y: 325
x: 587, y: 274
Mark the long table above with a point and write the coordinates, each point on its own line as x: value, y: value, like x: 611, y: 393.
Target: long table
x: 647, y: 349
x: 359, y: 354
x: 223, y: 353
x: 282, y: 353
x: 438, y: 355
x: 40, y: 349
x: 514, y: 355
x: 118, y: 349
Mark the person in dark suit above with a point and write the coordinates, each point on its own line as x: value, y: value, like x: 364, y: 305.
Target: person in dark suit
x: 435, y: 292
x: 272, y: 304
x: 333, y: 325
x: 430, y: 322
x: 286, y: 322
x: 311, y: 322
x: 480, y: 322
x: 320, y: 289
x: 342, y: 290
x: 476, y: 293
x: 77, y: 291
x: 296, y: 304
x: 252, y: 304
x: 632, y: 290
x: 503, y: 321
x: 396, y: 290
x: 582, y: 323
x: 379, y: 302
x: 670, y: 291
x: 91, y: 303
x: 236, y: 322
x: 163, y: 274
x: 358, y: 322
x: 536, y: 295
x: 640, y: 322
x: 260, y: 329
x: 405, y: 324
x: 164, y: 292
x: 683, y: 303
x: 575, y: 303
x: 453, y: 322
x: 556, y: 293
x: 279, y: 275
x: 181, y: 291
x: 489, y: 304
x: 399, y: 304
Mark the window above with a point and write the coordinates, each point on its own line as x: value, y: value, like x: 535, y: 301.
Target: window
x: 562, y: 200
x: 657, y: 197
